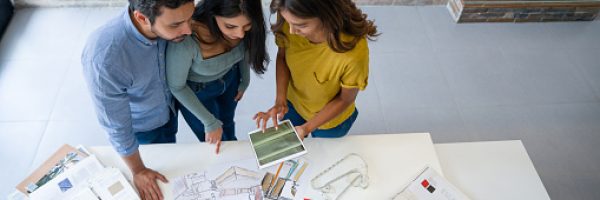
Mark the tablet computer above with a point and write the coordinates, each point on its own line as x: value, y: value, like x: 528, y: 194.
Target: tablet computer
x: 275, y: 146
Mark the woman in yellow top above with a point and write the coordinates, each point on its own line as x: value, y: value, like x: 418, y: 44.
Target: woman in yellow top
x: 322, y: 63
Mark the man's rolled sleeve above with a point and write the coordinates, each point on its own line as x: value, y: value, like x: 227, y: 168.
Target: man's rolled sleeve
x: 125, y: 146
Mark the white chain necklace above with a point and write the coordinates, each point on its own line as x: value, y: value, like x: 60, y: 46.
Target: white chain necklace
x: 360, y: 173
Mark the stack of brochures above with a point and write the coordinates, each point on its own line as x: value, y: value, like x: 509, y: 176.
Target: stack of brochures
x: 71, y: 174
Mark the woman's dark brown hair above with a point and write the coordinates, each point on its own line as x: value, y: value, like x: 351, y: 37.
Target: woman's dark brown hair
x: 337, y: 16
x: 255, y: 38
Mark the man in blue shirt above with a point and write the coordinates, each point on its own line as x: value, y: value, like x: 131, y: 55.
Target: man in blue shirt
x: 124, y: 67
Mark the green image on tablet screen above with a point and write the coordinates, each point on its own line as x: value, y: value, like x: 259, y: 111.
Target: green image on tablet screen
x: 275, y: 144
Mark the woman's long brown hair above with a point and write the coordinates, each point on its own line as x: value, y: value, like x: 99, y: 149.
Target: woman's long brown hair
x: 337, y: 16
x: 254, y: 39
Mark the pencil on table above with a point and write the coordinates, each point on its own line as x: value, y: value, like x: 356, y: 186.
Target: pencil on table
x: 277, y: 173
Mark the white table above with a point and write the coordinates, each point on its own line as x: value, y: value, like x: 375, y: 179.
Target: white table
x: 491, y: 170
x: 482, y: 170
x: 393, y: 159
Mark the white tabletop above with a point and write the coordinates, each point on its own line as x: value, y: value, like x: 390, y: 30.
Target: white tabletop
x: 393, y: 159
x: 491, y: 170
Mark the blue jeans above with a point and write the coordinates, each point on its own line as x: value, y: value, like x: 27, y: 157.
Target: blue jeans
x: 163, y: 134
x: 335, y: 132
x: 218, y: 98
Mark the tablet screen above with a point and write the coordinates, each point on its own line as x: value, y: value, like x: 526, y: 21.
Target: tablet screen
x: 274, y: 146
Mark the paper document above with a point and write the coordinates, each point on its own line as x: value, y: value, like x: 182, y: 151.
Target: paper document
x: 64, y: 158
x: 70, y: 182
x: 429, y: 185
x: 231, y: 181
x: 78, y: 175
x: 110, y: 184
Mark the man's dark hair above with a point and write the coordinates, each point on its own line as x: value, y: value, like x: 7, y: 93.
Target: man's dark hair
x: 151, y: 8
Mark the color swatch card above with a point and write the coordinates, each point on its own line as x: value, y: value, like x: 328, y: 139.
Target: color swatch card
x: 429, y: 185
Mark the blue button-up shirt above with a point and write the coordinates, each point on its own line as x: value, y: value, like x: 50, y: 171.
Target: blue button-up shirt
x: 125, y: 74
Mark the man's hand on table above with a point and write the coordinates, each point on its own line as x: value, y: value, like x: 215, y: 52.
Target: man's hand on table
x: 145, y: 182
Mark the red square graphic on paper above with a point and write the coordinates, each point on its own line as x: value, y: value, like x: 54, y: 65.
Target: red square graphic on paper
x: 425, y: 183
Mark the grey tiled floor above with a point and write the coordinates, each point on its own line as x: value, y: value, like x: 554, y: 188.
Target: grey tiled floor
x: 539, y: 83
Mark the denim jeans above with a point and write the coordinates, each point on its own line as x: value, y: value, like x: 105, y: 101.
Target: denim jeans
x: 163, y: 134
x: 218, y: 98
x: 335, y: 132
